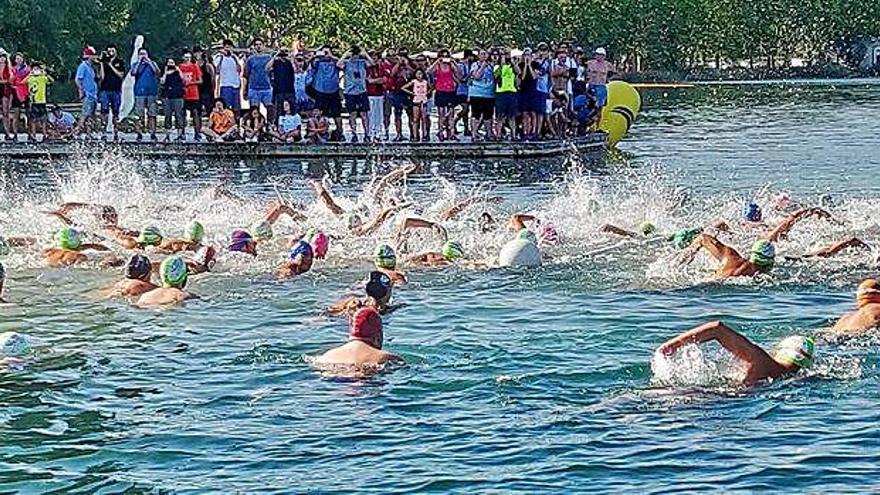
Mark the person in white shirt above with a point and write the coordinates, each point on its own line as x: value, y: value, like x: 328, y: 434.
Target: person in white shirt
x: 289, y: 125
x: 61, y: 124
x: 229, y: 77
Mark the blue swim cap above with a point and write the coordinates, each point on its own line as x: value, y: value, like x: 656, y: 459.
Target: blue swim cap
x: 239, y: 240
x: 752, y: 212
x: 301, y: 248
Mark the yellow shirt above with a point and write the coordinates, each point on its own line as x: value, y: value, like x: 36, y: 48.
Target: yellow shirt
x: 37, y: 86
x: 508, y: 79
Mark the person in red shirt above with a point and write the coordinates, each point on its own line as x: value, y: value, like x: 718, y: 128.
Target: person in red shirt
x: 192, y: 79
x: 377, y: 76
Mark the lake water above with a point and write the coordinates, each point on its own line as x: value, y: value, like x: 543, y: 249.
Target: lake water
x: 518, y: 381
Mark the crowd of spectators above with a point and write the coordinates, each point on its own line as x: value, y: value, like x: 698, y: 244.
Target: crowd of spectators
x: 285, y: 95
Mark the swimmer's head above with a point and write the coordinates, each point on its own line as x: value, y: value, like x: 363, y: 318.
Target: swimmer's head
x: 379, y: 287
x: 262, y: 230
x: 527, y: 235
x: 385, y: 257
x: 795, y: 351
x: 320, y: 243
x: 138, y: 268
x: 868, y: 293
x: 150, y: 236
x: 647, y: 228
x: 195, y: 232
x: 684, y: 237
x: 452, y: 251
x: 549, y: 236
x: 366, y: 326
x: 240, y: 241
x: 14, y: 344
x: 68, y: 238
x: 109, y: 215
x: 763, y: 254
x: 353, y: 220
x: 4, y: 247
x: 206, y: 256
x: 782, y: 201
x: 173, y: 272
x: 752, y: 212
x: 301, y: 256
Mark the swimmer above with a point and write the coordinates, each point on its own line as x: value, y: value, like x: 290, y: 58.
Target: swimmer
x: 762, y: 257
x: 386, y: 262
x: 299, y: 261
x: 867, y: 314
x: 379, y: 289
x: 137, y: 278
x: 202, y: 261
x: 456, y: 209
x: 240, y: 241
x: 827, y: 252
x: 7, y: 243
x: 192, y: 240
x: 319, y: 241
x: 14, y: 347
x: 262, y: 229
x: 450, y: 252
x: 752, y: 214
x: 105, y: 214
x: 645, y: 230
x: 377, y: 188
x: 150, y: 236
x: 412, y: 223
x: 364, y: 347
x: 354, y: 221
x: 68, y: 248
x: 781, y: 231
x: 792, y: 354
x: 173, y: 273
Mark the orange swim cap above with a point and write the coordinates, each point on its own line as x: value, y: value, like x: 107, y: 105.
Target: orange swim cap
x: 868, y: 293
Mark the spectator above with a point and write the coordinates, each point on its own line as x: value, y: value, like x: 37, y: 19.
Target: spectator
x: 543, y: 85
x: 525, y: 66
x: 221, y: 126
x: 257, y: 84
x: 586, y: 111
x: 318, y: 131
x: 597, y: 76
x: 561, y: 72
x: 419, y: 88
x: 289, y: 124
x: 146, y: 92
x: 253, y: 125
x: 20, y: 71
x: 37, y: 82
x: 461, y: 93
x: 559, y: 115
x: 355, y: 64
x: 402, y: 73
x: 228, y: 69
x: 7, y: 93
x: 172, y: 95
x: 192, y: 80
x: 445, y: 76
x: 61, y: 124
x: 325, y: 81
x: 283, y: 79
x: 209, y: 73
x: 481, y: 95
x: 87, y: 90
x: 385, y: 67
x: 302, y: 80
x: 421, y: 63
x: 506, y: 100
x: 111, y: 72
x: 377, y: 75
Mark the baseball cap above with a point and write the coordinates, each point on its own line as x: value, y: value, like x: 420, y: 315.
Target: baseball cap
x: 600, y: 51
x: 88, y: 51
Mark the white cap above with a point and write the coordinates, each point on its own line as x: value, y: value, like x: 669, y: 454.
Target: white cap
x: 600, y: 51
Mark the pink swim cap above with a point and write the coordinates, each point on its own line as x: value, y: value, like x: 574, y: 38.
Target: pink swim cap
x: 320, y: 244
x: 549, y: 236
x: 366, y: 326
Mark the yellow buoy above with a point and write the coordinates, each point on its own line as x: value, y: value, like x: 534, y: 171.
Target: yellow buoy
x: 620, y: 112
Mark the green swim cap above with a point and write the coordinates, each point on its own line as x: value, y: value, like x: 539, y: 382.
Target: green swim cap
x: 68, y: 238
x: 4, y: 247
x: 195, y: 231
x: 150, y: 236
x: 452, y: 250
x: 527, y: 235
x: 763, y: 253
x: 385, y: 257
x: 262, y: 231
x: 684, y: 237
x: 173, y: 272
x: 647, y: 228
x: 796, y: 350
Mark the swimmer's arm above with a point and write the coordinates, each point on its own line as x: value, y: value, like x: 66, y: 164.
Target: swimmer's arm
x: 280, y: 209
x: 94, y: 247
x: 716, y: 248
x: 455, y: 210
x: 392, y: 358
x: 518, y: 221
x: 613, y: 229
x: 418, y: 223
x: 324, y: 195
x: 838, y: 247
x: 61, y: 216
x: 782, y: 230
x: 343, y: 306
x: 21, y: 241
x: 380, y: 219
x: 221, y: 191
x: 734, y: 342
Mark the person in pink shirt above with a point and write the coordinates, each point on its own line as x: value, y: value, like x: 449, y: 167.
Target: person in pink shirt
x: 20, y: 71
x: 446, y: 75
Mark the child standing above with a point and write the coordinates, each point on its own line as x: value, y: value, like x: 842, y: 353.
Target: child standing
x: 419, y: 89
x: 37, y: 82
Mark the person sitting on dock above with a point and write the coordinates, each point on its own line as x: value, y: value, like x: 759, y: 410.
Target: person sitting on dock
x: 60, y: 124
x: 763, y: 256
x: 138, y: 271
x: 253, y: 126
x: 289, y: 125
x: 221, y: 126
x: 69, y: 247
x: 364, y: 347
x: 173, y: 272
x: 318, y: 128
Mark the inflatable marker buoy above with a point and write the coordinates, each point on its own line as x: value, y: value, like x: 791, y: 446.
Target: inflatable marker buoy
x: 519, y: 252
x: 127, y: 103
x: 618, y: 115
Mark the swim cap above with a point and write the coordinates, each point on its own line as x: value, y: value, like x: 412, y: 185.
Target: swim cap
x: 366, y: 326
x: 796, y: 350
x: 354, y: 221
x: 14, y: 344
x: 684, y: 237
x: 379, y: 285
x: 68, y: 238
x: 138, y: 267
x: 173, y: 272
x: 239, y: 240
x: 205, y: 256
x: 262, y: 230
x: 4, y: 247
x: 549, y: 236
x: 301, y: 248
x: 385, y: 257
x: 868, y: 293
x: 150, y: 236
x: 320, y: 243
x: 752, y: 212
x: 452, y: 250
x: 781, y: 201
x: 647, y: 228
x: 195, y: 231
x: 763, y: 253
x: 527, y: 235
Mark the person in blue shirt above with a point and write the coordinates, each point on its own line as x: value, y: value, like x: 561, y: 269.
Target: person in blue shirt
x: 257, y: 84
x: 481, y: 93
x: 146, y: 92
x: 325, y: 81
x: 87, y: 89
x: 461, y: 92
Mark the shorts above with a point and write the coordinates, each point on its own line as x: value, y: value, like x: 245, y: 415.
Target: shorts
x: 231, y: 97
x: 110, y: 100
x: 538, y: 102
x: 329, y: 104
x: 400, y: 101
x: 280, y: 98
x: 89, y: 105
x: 147, y: 103
x: 601, y: 93
x: 357, y: 103
x: 482, y: 108
x: 304, y: 105
x: 38, y: 111
x: 207, y: 103
x: 461, y: 99
x: 506, y: 105
x: 192, y: 105
x: 256, y: 97
x: 443, y: 99
x: 16, y: 103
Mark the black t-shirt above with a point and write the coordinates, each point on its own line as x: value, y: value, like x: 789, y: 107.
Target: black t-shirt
x: 111, y: 81
x: 282, y: 76
x: 527, y: 81
x: 206, y: 89
x: 173, y: 85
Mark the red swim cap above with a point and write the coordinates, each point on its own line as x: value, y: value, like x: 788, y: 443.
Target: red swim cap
x: 366, y: 326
